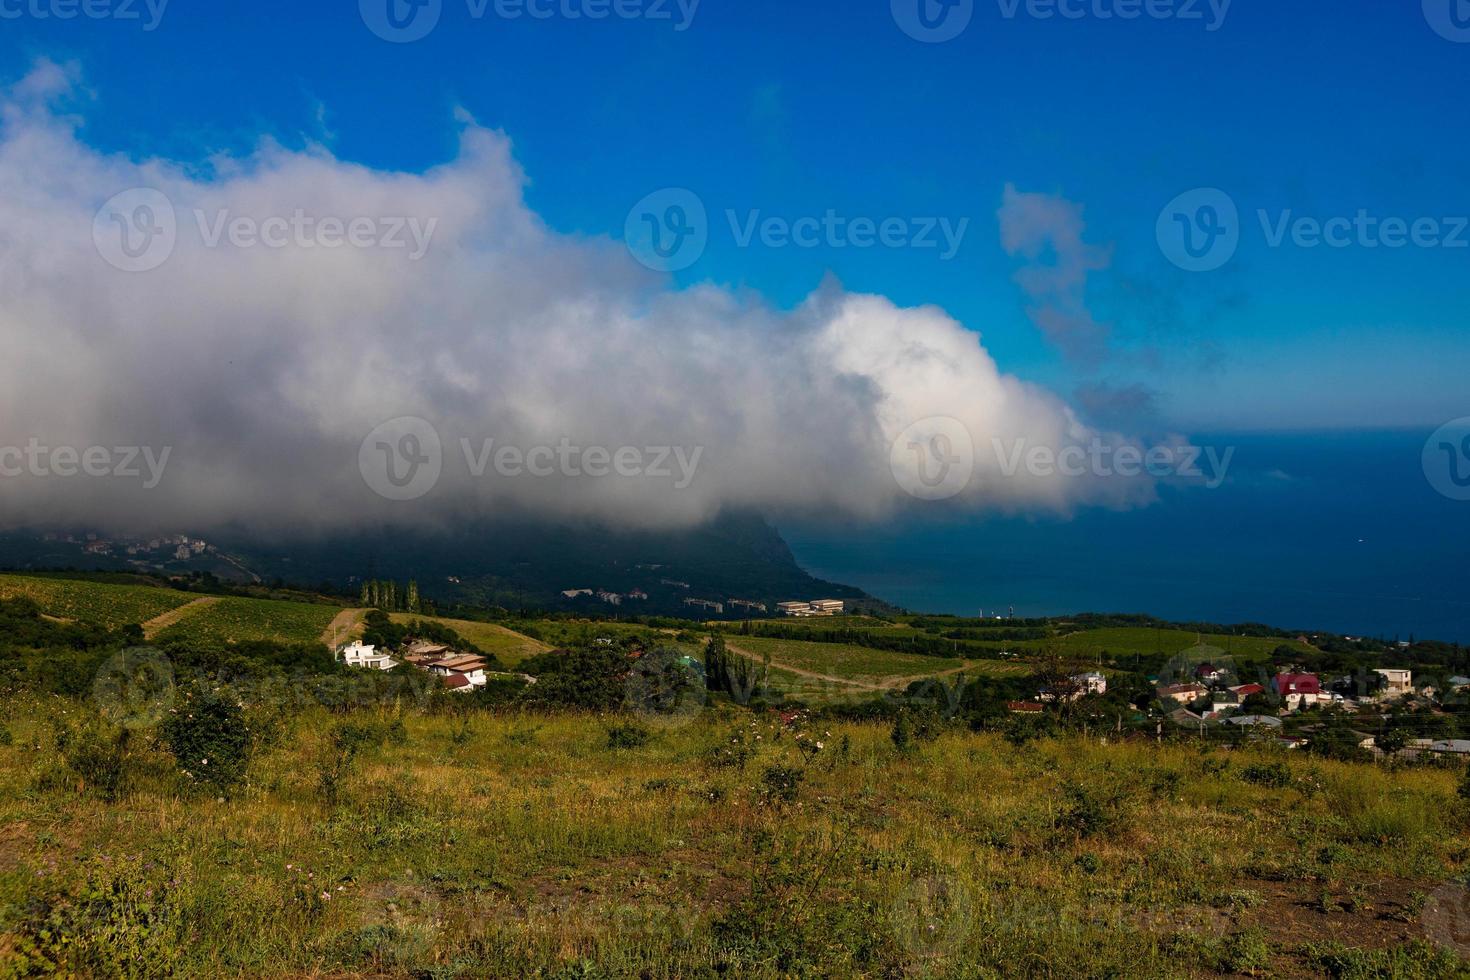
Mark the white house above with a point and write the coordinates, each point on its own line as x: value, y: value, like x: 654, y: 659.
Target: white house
x: 1400, y: 682
x: 1091, y: 682
x: 360, y: 654
x: 470, y: 667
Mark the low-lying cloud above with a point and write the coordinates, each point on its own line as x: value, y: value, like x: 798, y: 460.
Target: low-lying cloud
x: 264, y: 365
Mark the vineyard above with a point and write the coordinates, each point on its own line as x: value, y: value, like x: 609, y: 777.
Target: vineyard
x: 93, y: 602
x: 236, y: 620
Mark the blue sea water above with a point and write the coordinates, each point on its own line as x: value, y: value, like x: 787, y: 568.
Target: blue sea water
x: 1339, y: 531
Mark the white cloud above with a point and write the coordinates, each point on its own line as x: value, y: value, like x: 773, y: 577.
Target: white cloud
x: 264, y: 368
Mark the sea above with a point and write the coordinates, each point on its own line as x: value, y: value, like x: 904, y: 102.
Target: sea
x: 1341, y: 532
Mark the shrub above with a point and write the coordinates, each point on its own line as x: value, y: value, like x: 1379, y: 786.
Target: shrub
x: 781, y: 784
x: 1276, y: 775
x: 628, y: 736
x: 5, y: 737
x: 97, y: 755
x: 210, y: 741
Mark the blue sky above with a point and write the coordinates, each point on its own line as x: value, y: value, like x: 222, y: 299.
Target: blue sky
x: 1323, y: 107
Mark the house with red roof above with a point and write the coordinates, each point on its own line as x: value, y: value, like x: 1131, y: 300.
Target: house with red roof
x: 1298, y: 690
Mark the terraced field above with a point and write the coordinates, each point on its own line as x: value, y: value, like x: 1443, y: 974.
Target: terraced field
x: 508, y: 646
x: 237, y: 620
x: 93, y: 602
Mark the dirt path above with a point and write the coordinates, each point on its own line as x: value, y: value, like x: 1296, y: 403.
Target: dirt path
x: 345, y: 626
x: 158, y: 624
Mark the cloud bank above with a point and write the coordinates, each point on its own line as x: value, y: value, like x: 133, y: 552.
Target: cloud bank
x: 262, y: 367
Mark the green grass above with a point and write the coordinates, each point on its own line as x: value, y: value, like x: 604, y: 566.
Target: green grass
x: 93, y: 602
x: 236, y: 620
x: 843, y: 660
x: 1168, y: 642
x: 522, y: 845
x: 508, y: 646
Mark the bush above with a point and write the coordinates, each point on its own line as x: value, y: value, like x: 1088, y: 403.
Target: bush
x: 627, y: 736
x: 210, y: 740
x: 781, y: 784
x: 97, y: 755
x: 1276, y: 775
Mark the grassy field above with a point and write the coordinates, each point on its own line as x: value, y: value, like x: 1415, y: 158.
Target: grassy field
x: 235, y: 620
x: 842, y: 660
x: 508, y: 646
x: 93, y: 602
x: 523, y: 845
x: 1169, y: 642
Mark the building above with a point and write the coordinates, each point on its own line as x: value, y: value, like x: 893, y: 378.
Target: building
x: 464, y: 665
x: 1298, y: 690
x: 360, y: 654
x: 1208, y: 673
x: 1091, y: 682
x: 1024, y: 707
x: 1400, y: 682
x: 1246, y: 690
x: 795, y: 608
x: 828, y: 606
x: 1187, y: 693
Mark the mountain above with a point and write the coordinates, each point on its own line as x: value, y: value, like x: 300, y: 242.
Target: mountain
x: 497, y: 563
